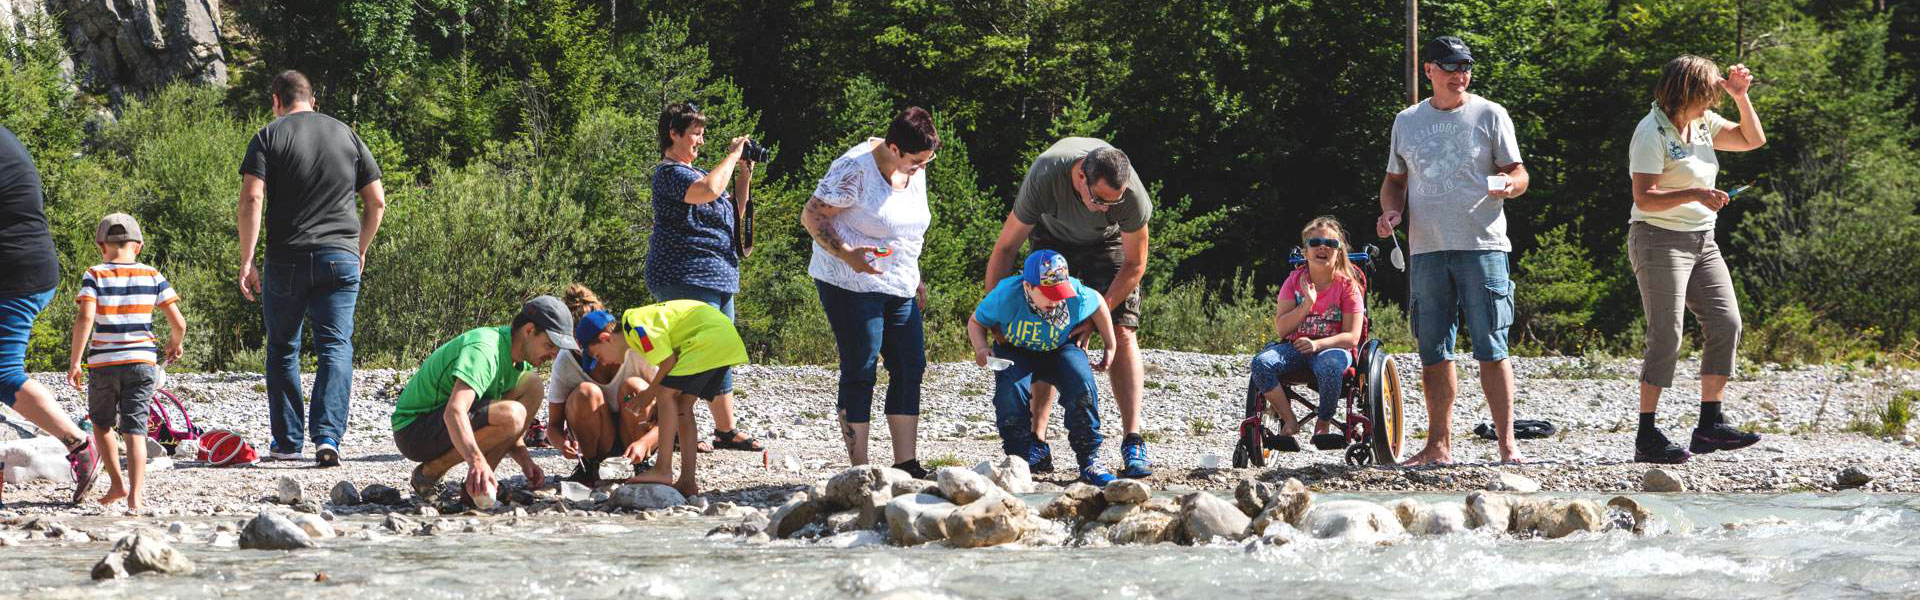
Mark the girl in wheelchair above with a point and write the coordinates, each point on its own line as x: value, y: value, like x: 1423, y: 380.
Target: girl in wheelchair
x: 1318, y: 316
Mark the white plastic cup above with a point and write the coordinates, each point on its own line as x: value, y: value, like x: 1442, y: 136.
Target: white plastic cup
x: 1209, y: 461
x: 998, y: 364
x: 1496, y: 183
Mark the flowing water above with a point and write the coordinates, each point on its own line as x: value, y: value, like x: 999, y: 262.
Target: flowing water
x: 1848, y: 545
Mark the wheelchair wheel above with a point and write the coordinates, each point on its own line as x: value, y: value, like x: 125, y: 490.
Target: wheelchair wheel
x: 1383, y: 404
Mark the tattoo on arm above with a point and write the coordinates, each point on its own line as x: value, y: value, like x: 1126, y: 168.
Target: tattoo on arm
x: 820, y: 226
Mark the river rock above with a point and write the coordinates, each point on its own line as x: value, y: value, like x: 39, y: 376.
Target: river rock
x: 142, y: 553
x: 963, y: 486
x: 1420, y: 518
x: 917, y: 519
x: 645, y: 496
x: 29, y: 457
x: 287, y: 490
x: 1010, y: 473
x: 850, y: 488
x: 1351, y: 521
x: 1143, y: 527
x: 1489, y: 510
x: 1513, y: 482
x: 383, y: 495
x: 574, y: 491
x: 1852, y: 477
x: 270, y: 531
x: 997, y: 518
x: 872, y: 510
x: 1557, y: 518
x: 1124, y: 491
x: 344, y: 494
x: 315, y: 526
x: 1662, y: 481
x: 1632, y: 516
x: 1288, y: 504
x: 842, y: 522
x: 1078, y: 501
x: 400, y: 525
x: 1253, y: 496
x: 1204, y: 516
x: 799, y: 512
x: 915, y: 486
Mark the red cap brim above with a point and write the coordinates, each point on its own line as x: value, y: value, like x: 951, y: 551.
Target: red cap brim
x: 1057, y: 292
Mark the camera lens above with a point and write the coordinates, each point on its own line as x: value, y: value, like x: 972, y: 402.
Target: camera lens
x: 756, y: 152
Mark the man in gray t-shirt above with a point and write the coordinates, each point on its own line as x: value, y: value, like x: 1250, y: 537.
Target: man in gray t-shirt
x: 1452, y: 165
x: 1082, y: 198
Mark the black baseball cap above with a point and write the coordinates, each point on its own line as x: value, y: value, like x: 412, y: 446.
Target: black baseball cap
x: 550, y: 315
x: 1446, y: 49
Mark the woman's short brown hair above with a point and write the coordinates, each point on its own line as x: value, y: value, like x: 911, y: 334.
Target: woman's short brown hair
x: 912, y: 131
x: 1686, y: 82
x: 676, y: 118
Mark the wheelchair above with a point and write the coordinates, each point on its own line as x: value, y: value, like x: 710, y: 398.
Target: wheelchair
x: 1370, y: 414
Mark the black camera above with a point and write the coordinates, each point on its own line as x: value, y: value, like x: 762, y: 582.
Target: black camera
x: 755, y: 152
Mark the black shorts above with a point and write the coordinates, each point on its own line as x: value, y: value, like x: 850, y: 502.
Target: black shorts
x: 706, y: 384
x: 1096, y: 265
x: 427, y: 438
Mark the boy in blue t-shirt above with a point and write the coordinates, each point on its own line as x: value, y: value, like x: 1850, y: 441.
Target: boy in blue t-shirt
x: 1031, y: 318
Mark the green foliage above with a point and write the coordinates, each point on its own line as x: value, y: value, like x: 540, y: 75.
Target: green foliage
x: 1558, y: 288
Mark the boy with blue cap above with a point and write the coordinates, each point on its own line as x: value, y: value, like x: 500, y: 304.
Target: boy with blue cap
x: 695, y: 347
x: 1029, y: 317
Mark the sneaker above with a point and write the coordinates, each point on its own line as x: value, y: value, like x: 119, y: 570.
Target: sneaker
x: 327, y: 454
x: 1658, y: 450
x: 1095, y: 475
x: 1721, y: 436
x: 536, y: 435
x: 426, y: 489
x: 1040, y: 458
x: 587, y: 472
x: 273, y: 455
x: 1134, y: 451
x: 912, y: 467
x: 86, y: 467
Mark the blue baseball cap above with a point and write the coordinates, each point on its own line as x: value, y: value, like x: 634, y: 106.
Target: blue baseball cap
x: 587, y: 330
x: 1047, y: 270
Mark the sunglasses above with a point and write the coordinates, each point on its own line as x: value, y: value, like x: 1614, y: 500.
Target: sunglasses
x: 1323, y: 243
x: 1458, y: 67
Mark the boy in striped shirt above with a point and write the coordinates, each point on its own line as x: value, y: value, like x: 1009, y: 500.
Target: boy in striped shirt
x: 117, y: 299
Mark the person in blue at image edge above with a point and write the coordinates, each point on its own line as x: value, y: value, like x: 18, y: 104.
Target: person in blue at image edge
x: 1029, y: 316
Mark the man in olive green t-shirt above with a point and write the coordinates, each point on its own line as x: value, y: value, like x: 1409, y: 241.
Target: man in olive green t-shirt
x: 1082, y: 198
x: 449, y: 414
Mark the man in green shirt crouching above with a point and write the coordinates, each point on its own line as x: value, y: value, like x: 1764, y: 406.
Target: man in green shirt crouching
x: 472, y: 399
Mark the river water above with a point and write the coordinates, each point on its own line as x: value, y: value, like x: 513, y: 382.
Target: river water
x: 1848, y: 545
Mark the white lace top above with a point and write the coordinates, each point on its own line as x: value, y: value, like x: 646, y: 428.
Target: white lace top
x: 876, y: 215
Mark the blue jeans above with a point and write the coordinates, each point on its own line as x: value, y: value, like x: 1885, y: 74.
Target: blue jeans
x: 1452, y: 283
x: 1067, y: 369
x: 1281, y: 358
x: 17, y: 314
x: 721, y: 300
x: 865, y: 326
x: 322, y: 286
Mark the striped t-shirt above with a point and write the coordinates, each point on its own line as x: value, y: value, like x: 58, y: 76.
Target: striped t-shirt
x: 124, y: 295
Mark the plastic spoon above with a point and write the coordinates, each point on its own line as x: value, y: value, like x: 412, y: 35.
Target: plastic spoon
x: 1399, y: 258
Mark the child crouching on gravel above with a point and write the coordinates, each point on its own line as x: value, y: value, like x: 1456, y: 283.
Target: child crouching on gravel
x: 695, y: 346
x: 597, y: 400
x: 1030, y: 317
x: 113, y: 333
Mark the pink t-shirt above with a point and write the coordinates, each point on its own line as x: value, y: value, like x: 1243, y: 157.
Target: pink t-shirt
x: 1330, y: 306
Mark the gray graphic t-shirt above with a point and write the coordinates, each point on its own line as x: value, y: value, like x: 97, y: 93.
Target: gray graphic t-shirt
x: 1447, y: 156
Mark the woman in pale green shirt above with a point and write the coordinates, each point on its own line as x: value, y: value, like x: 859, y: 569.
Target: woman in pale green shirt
x: 1670, y: 243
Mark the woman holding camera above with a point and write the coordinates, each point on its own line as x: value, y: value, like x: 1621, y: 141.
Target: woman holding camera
x: 868, y: 218
x: 693, y: 253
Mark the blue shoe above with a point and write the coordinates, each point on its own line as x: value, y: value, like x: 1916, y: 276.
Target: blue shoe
x: 327, y: 454
x: 1133, y: 450
x: 1040, y: 458
x: 1096, y: 475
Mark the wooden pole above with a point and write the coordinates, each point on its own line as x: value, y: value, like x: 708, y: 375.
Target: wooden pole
x: 1413, y: 52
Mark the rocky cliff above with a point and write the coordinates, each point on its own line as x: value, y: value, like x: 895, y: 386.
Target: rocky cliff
x: 120, y: 46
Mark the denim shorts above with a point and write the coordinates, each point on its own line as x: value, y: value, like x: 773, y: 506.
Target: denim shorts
x: 17, y: 314
x: 1452, y: 286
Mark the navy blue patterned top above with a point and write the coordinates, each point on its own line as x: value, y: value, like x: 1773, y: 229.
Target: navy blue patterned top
x: 692, y: 244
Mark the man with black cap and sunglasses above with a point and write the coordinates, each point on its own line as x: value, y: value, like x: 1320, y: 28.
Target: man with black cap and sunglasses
x: 1453, y: 163
x: 472, y: 399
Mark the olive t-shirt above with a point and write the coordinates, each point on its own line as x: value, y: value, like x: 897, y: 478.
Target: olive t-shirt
x: 1048, y: 202
x: 314, y: 167
x: 26, y: 244
x: 482, y: 358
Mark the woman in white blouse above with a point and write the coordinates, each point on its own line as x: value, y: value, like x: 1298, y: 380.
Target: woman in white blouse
x: 868, y: 218
x: 1670, y: 243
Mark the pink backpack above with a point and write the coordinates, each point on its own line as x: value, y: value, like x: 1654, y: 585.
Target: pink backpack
x: 161, y: 426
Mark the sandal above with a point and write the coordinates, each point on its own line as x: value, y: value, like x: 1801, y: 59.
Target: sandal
x: 725, y: 440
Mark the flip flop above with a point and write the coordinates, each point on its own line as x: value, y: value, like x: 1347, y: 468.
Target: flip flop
x: 1329, y: 441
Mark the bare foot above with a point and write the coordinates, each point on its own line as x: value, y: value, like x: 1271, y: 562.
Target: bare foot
x: 1430, y: 456
x: 135, y: 506
x: 1513, y: 456
x: 113, y: 495
x: 651, y: 477
x: 687, y: 488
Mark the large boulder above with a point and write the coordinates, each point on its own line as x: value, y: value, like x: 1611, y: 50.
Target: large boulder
x: 850, y: 488
x: 1287, y: 504
x: 1489, y: 510
x: 800, y: 512
x: 1204, y: 516
x: 997, y: 518
x: 963, y: 486
x: 646, y: 496
x: 1352, y: 521
x: 1420, y: 518
x: 1143, y: 527
x: 1010, y: 473
x: 1558, y: 518
x: 142, y: 553
x: 1078, y: 501
x: 1127, y: 491
x: 917, y: 519
x: 270, y: 531
x: 915, y: 486
x: 1253, y: 496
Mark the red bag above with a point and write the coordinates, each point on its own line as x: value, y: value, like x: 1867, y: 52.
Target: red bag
x: 160, y: 425
x: 222, y: 448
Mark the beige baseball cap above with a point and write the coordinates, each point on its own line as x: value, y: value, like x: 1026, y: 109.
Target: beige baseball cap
x: 117, y: 227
